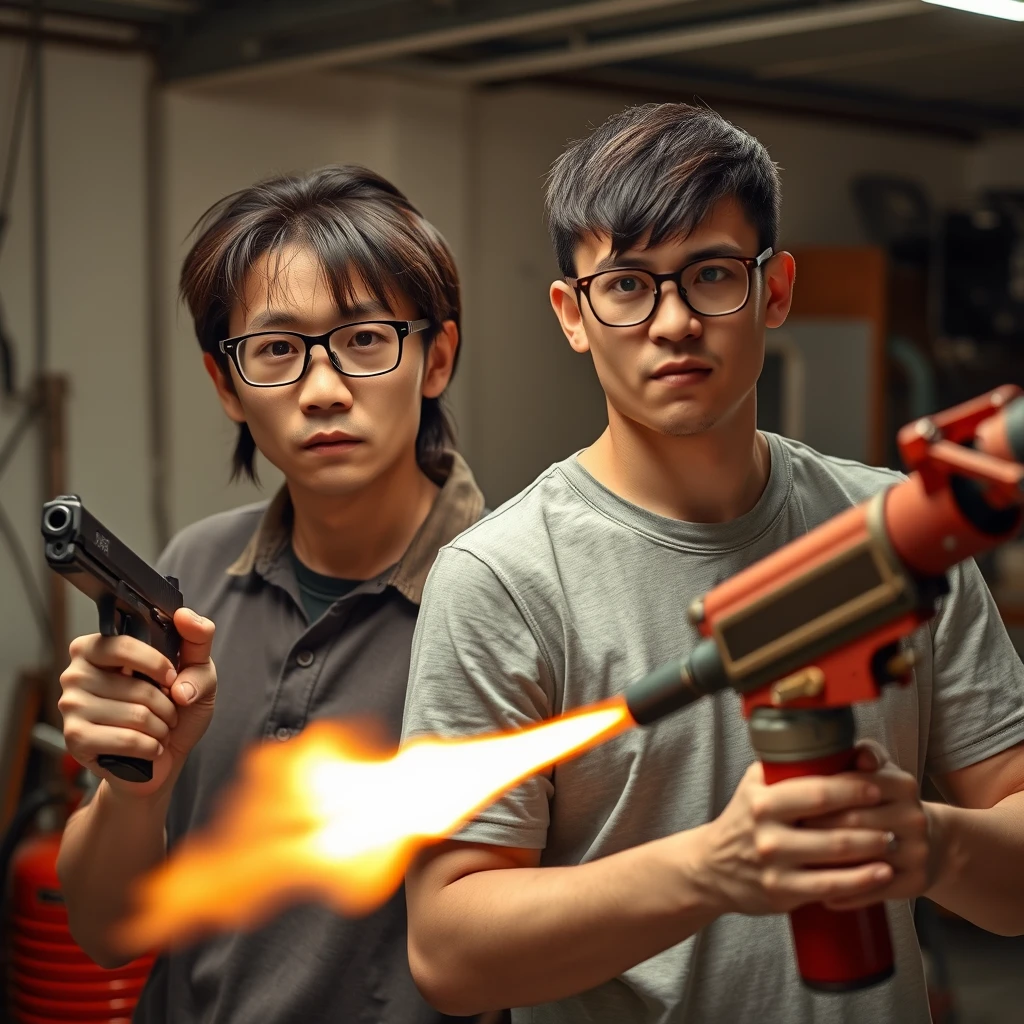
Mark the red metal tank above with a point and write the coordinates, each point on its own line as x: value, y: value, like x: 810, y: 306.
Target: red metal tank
x: 52, y: 981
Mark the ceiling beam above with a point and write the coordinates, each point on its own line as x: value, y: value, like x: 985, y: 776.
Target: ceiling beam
x: 944, y: 118
x: 833, y: 62
x: 242, y: 47
x: 685, y: 39
x: 123, y: 11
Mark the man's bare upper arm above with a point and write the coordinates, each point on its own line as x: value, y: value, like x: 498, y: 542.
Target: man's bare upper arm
x: 441, y: 865
x: 984, y: 784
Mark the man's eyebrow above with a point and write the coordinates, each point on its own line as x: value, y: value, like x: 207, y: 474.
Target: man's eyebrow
x: 269, y: 319
x: 638, y: 261
x: 273, y: 318
x: 366, y: 310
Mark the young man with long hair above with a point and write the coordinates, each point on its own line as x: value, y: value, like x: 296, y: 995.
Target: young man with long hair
x: 327, y: 310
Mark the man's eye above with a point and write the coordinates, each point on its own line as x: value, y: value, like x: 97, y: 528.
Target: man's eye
x: 713, y: 275
x: 363, y: 339
x: 278, y: 347
x: 627, y: 285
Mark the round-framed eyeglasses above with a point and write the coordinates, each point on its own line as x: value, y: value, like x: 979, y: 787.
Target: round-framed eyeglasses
x: 369, y: 348
x: 628, y: 297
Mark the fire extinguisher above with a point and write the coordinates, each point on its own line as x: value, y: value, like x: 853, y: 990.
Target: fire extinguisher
x: 51, y: 980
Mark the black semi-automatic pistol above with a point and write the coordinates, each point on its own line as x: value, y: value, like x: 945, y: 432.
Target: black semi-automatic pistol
x: 131, y: 596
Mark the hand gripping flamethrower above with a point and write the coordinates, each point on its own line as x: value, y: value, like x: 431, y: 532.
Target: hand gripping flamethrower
x: 816, y: 627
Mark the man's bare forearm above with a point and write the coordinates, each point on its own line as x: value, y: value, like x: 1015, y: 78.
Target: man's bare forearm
x: 107, y: 846
x: 521, y: 936
x: 980, y: 878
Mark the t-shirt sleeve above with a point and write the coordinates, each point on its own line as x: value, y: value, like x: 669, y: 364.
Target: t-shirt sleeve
x: 978, y: 679
x: 477, y: 667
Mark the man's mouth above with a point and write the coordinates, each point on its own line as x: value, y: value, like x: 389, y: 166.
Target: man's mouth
x: 336, y: 441
x: 682, y: 373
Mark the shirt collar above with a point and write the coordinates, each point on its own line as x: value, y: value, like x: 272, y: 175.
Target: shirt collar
x: 458, y: 505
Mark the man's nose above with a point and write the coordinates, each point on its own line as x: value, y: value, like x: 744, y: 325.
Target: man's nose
x: 673, y: 320
x: 323, y: 387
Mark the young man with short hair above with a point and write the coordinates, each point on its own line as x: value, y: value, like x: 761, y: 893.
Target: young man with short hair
x: 647, y: 880
x: 328, y: 312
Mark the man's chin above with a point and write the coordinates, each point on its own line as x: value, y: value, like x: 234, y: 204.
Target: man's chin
x: 334, y: 481
x: 689, y: 427
x: 679, y: 422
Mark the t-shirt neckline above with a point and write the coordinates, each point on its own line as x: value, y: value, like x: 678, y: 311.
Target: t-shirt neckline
x: 720, y: 537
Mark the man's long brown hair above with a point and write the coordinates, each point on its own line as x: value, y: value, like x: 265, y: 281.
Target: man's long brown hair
x: 360, y: 228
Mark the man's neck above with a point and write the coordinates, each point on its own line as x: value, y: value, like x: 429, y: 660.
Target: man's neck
x: 359, y: 535
x: 709, y: 477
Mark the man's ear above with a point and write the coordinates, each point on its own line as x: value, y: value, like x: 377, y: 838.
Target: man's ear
x: 563, y: 302
x: 779, y: 278
x: 440, y: 360
x: 225, y: 389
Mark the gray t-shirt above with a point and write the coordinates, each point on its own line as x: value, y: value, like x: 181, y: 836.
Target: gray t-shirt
x: 568, y: 593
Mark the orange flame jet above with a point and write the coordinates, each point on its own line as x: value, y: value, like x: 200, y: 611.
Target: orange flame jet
x: 328, y: 817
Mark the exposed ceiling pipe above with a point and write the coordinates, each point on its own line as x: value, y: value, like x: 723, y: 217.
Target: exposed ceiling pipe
x: 683, y: 40
x: 553, y: 18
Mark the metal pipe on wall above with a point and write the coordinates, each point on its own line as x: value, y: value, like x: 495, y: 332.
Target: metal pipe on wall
x: 40, y: 280
x: 156, y: 349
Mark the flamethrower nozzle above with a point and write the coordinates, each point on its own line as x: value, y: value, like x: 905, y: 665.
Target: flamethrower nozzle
x: 676, y: 684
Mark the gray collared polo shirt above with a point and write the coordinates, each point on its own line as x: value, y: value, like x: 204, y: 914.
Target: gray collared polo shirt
x: 276, y: 673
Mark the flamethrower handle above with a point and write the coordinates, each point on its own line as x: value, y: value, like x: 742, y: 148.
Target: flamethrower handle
x: 836, y: 950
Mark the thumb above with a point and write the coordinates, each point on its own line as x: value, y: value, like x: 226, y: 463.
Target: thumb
x: 196, y: 634
x: 871, y: 756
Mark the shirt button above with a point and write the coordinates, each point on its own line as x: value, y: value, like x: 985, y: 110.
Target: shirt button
x: 283, y: 733
x: 304, y: 659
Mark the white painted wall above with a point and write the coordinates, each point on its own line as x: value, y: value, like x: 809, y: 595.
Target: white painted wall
x: 474, y: 164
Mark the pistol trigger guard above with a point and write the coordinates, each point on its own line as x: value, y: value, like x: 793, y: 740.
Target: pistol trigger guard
x: 107, y: 606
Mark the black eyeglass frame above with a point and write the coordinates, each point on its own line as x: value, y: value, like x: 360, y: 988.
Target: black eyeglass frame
x: 581, y: 285
x: 403, y: 328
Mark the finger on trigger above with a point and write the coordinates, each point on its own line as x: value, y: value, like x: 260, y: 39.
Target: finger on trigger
x: 126, y: 653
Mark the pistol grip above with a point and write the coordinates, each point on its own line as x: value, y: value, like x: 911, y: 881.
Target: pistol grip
x: 112, y: 623
x: 131, y: 769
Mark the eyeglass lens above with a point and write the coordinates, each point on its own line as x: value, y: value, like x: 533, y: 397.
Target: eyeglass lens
x: 359, y: 350
x: 712, y: 287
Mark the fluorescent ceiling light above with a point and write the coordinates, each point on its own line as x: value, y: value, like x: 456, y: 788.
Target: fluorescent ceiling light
x: 1013, y: 10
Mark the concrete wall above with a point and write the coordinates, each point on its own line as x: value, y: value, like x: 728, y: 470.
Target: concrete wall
x: 96, y: 311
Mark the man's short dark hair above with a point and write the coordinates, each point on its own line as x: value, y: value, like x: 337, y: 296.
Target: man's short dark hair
x: 654, y: 172
x: 358, y: 226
